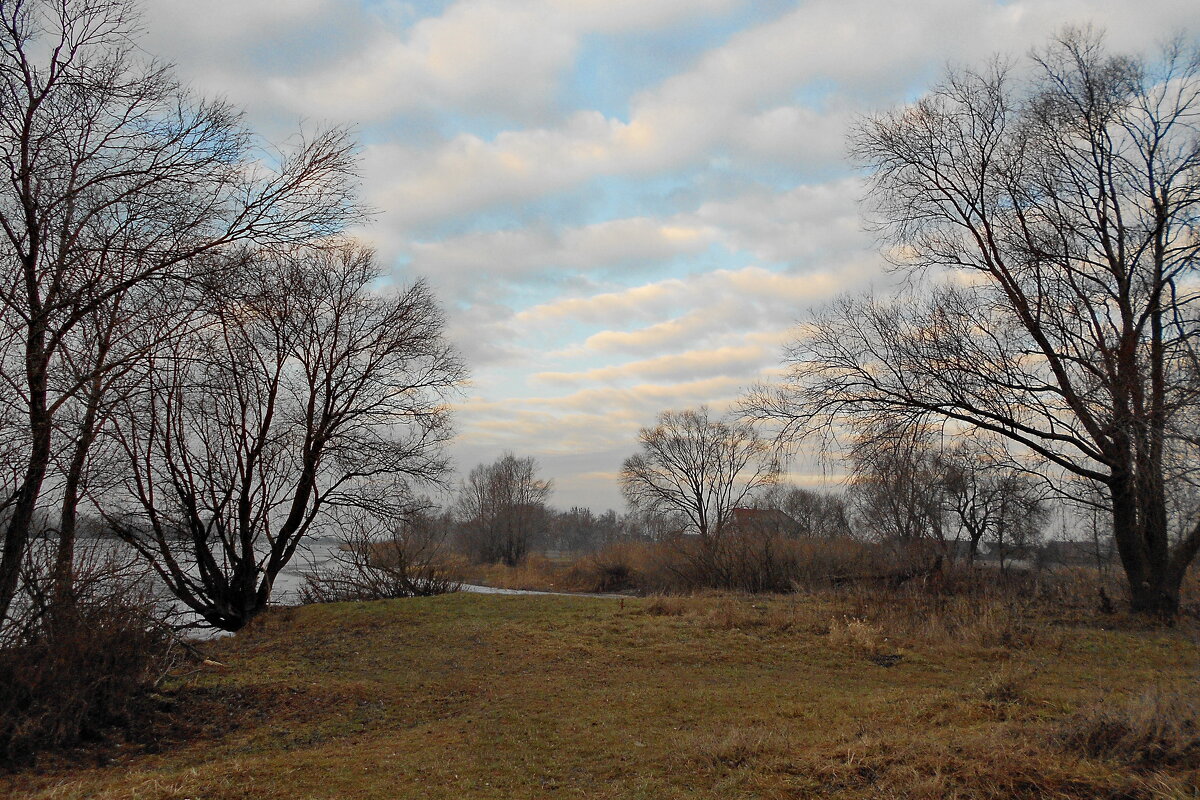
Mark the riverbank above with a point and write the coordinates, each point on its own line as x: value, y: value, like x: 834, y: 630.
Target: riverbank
x: 495, y: 696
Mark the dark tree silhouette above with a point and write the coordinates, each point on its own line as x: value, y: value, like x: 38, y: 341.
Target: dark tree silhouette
x: 298, y: 391
x: 698, y: 468
x: 114, y: 177
x: 1055, y: 218
x: 501, y: 506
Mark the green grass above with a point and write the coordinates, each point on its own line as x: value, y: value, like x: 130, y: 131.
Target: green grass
x: 724, y: 697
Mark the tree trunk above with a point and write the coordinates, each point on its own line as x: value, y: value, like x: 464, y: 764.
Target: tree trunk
x: 973, y: 549
x: 64, y: 563
x: 1139, y: 529
x: 20, y: 525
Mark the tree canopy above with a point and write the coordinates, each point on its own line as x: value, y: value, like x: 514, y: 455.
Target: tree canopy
x: 1048, y: 219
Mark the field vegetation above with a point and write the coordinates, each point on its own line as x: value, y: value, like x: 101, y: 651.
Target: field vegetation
x: 841, y: 693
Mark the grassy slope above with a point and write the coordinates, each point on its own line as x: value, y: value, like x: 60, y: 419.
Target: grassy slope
x: 513, y: 697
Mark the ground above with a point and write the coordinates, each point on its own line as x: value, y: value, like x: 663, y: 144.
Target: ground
x: 476, y: 696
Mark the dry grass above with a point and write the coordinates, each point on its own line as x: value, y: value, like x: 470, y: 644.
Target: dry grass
x: 753, y: 564
x: 1158, y: 726
x: 979, y: 622
x: 535, y: 573
x: 713, y: 696
x: 734, y: 748
x: 844, y: 567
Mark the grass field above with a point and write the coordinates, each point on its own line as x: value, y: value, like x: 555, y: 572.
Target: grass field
x: 721, y: 696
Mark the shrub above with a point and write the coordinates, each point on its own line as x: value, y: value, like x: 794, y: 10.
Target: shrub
x: 991, y: 616
x: 737, y: 561
x: 75, y: 664
x: 610, y: 570
x: 857, y: 635
x: 408, y: 563
x: 665, y: 606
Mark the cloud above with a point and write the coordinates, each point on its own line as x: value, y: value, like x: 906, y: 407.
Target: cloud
x: 809, y: 226
x: 235, y: 49
x: 812, y: 224
x: 518, y: 254
x: 693, y: 310
x: 689, y: 365
x: 590, y: 418
x: 780, y: 92
x: 489, y: 55
x: 505, y: 57
x: 749, y: 97
x: 586, y: 298
x: 469, y: 173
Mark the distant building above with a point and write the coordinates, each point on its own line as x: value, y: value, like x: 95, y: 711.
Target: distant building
x: 762, y: 520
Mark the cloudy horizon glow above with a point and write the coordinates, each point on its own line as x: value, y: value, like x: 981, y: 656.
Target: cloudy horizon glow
x: 624, y: 206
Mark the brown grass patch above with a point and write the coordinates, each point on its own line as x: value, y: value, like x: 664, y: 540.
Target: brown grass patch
x: 701, y: 696
x: 1155, y: 727
x: 734, y: 748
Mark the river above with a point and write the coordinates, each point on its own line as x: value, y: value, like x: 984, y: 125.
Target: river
x: 313, y: 554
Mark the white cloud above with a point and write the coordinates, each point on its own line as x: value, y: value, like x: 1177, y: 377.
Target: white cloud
x: 522, y: 253
x: 615, y: 16
x: 581, y: 322
x: 745, y: 96
x: 235, y: 48
x: 808, y: 227
x: 469, y: 173
x: 507, y: 57
x: 489, y: 55
x: 811, y: 225
x: 690, y: 365
x: 593, y: 417
x: 693, y: 310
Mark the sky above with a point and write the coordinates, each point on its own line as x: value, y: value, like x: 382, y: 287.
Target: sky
x: 625, y: 206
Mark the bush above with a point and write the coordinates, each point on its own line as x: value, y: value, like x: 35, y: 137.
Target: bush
x: 74, y: 665
x: 408, y: 563
x: 610, y: 570
x: 748, y: 562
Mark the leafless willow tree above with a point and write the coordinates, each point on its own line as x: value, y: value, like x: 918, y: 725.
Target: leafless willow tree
x: 698, y: 467
x: 102, y: 361
x: 580, y: 530
x: 989, y: 502
x: 500, y: 507
x: 297, y: 391
x: 114, y: 177
x: 922, y: 488
x: 897, y: 490
x: 1055, y: 218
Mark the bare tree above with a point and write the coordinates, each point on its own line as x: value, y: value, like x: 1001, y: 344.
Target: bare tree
x: 698, y: 467
x: 101, y: 360
x: 579, y: 530
x: 645, y: 524
x: 990, y: 502
x: 302, y: 391
x: 897, y: 491
x: 1067, y: 204
x: 500, y: 507
x: 115, y: 177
